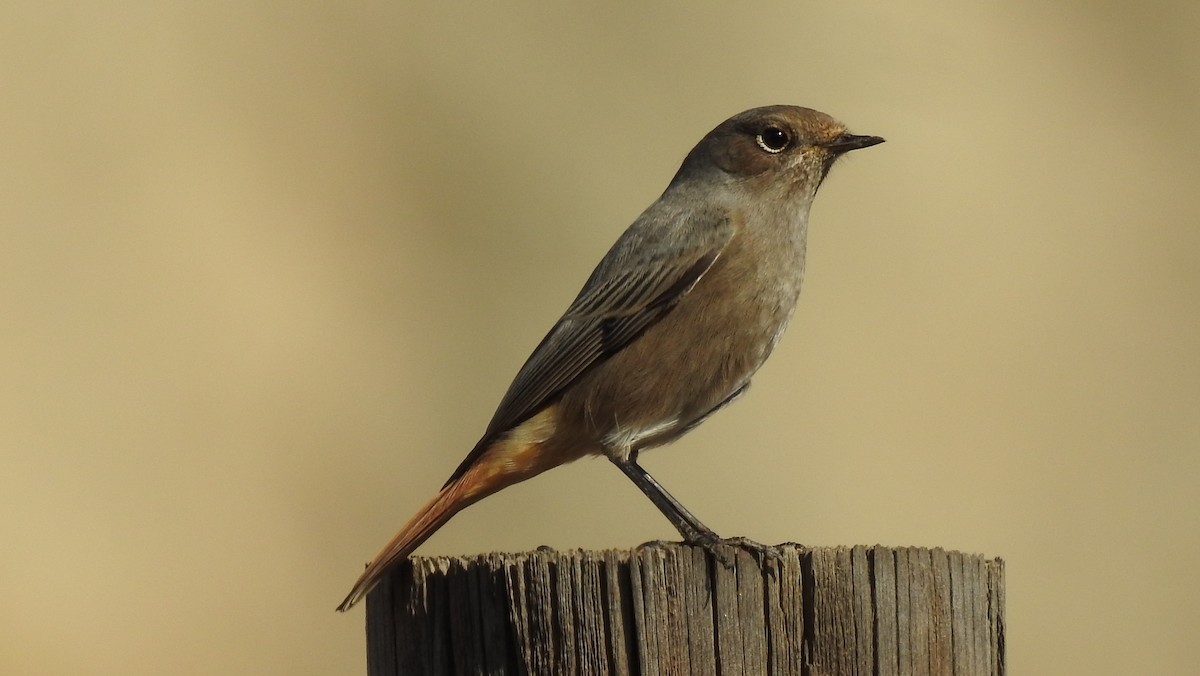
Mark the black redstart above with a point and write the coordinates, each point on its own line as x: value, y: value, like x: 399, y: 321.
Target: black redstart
x: 668, y: 329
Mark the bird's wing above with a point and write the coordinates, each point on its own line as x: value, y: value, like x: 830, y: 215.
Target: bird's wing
x: 650, y: 268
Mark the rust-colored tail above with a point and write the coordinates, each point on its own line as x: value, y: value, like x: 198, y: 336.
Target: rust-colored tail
x: 516, y: 456
x: 448, y: 502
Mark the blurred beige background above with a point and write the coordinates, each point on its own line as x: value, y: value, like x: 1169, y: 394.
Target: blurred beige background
x: 267, y: 268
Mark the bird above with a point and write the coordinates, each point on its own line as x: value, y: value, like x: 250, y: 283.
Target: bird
x: 668, y: 329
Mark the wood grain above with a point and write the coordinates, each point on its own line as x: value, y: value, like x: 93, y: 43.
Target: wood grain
x: 667, y: 608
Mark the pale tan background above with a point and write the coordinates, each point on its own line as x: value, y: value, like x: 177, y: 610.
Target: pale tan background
x: 265, y: 269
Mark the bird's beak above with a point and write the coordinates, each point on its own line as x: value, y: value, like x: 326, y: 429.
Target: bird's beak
x: 847, y: 142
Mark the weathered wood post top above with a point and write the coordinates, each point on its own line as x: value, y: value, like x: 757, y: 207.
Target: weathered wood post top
x: 666, y: 608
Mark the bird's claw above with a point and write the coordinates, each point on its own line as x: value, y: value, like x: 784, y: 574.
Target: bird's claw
x: 720, y: 549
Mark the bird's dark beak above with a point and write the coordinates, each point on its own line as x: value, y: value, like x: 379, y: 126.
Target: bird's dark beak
x: 847, y: 142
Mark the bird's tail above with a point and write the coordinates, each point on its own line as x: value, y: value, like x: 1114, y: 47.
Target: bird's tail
x: 516, y: 456
x: 448, y: 502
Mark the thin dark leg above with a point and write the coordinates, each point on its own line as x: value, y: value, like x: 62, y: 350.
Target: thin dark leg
x: 688, y: 526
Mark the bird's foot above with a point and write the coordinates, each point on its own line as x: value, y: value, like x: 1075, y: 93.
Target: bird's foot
x: 756, y: 549
x: 724, y: 549
x: 715, y: 546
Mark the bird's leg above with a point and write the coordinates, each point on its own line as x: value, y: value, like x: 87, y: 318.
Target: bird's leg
x: 689, y: 526
x: 693, y: 531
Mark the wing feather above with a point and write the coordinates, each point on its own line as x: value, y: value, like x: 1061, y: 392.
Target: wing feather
x: 639, y: 281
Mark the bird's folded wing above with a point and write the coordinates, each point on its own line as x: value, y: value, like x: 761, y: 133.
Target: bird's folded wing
x: 636, y: 285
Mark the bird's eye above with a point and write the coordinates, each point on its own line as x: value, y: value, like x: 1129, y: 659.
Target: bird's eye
x: 773, y: 140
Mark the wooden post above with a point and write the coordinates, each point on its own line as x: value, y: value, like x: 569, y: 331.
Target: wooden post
x: 667, y: 608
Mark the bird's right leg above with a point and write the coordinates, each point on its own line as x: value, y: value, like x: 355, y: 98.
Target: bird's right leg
x: 692, y: 530
x: 688, y: 525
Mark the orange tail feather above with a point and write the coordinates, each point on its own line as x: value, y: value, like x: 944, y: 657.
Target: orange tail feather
x: 448, y: 502
x: 517, y: 456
